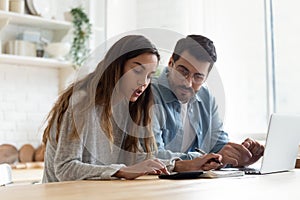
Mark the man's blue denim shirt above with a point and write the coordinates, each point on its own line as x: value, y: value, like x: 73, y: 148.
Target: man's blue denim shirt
x: 168, y: 127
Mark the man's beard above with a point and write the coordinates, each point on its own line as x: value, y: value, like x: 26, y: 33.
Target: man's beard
x: 184, y: 94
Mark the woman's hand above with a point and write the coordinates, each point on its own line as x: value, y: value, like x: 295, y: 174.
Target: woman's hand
x: 201, y: 163
x: 151, y: 166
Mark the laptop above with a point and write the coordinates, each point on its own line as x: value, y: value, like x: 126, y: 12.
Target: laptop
x: 281, y: 146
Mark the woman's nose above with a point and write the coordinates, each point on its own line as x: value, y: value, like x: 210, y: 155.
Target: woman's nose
x: 142, y: 82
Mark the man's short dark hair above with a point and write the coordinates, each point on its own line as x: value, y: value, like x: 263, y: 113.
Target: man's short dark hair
x: 198, y: 46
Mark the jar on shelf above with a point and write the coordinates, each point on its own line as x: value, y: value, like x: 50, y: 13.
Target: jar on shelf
x: 17, y: 6
x: 40, y: 50
x: 4, y: 5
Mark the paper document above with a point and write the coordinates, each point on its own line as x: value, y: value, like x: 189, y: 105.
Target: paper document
x: 221, y: 174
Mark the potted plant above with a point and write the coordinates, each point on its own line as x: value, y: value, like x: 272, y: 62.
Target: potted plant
x: 81, y: 34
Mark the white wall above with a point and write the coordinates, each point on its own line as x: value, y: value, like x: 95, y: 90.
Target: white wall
x: 167, y: 14
x: 239, y: 38
x: 121, y: 17
x: 26, y: 96
x: 175, y: 15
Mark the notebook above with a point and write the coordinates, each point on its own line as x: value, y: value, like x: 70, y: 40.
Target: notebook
x: 281, y: 146
x: 221, y: 174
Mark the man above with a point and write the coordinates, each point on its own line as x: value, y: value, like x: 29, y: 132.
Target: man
x: 187, y: 114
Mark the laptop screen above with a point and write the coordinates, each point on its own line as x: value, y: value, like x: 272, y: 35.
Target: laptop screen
x: 282, y: 143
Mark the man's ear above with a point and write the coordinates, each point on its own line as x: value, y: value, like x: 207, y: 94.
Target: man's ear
x: 171, y: 62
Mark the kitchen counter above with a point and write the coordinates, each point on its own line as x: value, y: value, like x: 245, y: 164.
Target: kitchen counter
x: 26, y: 176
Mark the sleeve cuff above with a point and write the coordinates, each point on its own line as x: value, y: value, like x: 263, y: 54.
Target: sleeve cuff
x: 170, y: 164
x: 108, y: 174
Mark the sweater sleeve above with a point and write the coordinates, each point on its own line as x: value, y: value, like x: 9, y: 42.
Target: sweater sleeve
x: 69, y: 164
x: 73, y: 158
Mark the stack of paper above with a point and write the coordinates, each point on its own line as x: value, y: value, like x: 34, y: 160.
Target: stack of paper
x: 221, y: 174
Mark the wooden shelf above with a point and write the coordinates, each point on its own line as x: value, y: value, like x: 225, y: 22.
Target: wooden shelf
x: 33, y: 61
x: 32, y: 21
x: 63, y: 27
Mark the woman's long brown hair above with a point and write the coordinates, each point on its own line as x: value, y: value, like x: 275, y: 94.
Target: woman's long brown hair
x: 99, y: 86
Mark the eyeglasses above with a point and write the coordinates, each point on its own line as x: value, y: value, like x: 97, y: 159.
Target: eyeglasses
x: 197, y: 78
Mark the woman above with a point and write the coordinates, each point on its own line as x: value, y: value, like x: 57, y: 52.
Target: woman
x: 99, y: 127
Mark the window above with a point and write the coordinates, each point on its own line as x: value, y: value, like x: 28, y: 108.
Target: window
x: 286, y: 50
x: 238, y: 31
x: 258, y: 45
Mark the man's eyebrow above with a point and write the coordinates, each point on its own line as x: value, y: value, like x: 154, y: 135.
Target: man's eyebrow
x: 190, y: 71
x: 140, y: 64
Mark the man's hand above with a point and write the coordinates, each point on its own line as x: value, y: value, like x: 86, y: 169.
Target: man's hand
x: 256, y: 149
x: 235, y: 154
x: 241, y: 155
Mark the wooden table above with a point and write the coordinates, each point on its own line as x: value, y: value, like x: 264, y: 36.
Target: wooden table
x: 280, y: 186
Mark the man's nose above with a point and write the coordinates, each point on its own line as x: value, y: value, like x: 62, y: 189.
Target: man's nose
x: 188, y: 81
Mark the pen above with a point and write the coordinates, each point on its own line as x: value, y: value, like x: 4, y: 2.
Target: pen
x: 203, y: 153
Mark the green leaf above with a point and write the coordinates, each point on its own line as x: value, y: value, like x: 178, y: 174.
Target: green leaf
x: 82, y: 29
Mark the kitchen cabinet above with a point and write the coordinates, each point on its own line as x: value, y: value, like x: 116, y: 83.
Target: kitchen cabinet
x: 30, y: 85
x: 57, y: 28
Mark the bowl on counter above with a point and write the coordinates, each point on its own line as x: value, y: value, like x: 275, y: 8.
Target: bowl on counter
x: 8, y: 154
x: 58, y: 50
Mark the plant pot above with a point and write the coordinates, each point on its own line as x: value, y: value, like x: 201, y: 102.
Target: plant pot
x: 68, y: 16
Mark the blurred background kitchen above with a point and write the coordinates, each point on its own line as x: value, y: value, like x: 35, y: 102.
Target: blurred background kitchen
x: 257, y: 43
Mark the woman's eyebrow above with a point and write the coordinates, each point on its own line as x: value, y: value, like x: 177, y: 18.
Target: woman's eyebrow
x: 140, y: 64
